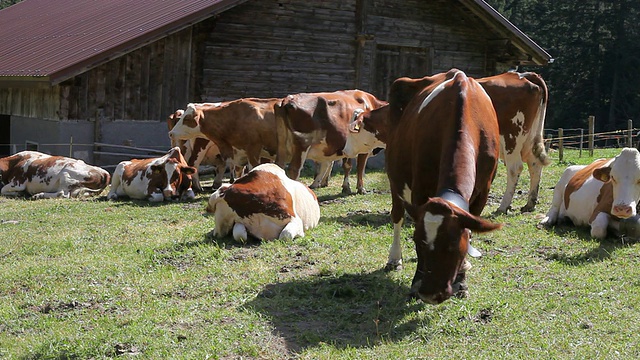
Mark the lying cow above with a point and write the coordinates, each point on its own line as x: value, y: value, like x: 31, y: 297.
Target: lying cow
x: 599, y: 194
x: 264, y: 203
x: 441, y: 157
x: 45, y: 176
x: 316, y: 126
x: 157, y: 179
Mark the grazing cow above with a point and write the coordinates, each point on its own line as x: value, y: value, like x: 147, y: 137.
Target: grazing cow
x: 243, y: 129
x: 199, y: 151
x: 45, y: 176
x: 599, y: 194
x: 520, y: 101
x: 157, y: 179
x: 441, y: 156
x: 264, y: 203
x: 315, y: 126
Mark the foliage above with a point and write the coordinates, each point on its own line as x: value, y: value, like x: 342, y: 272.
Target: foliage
x: 101, y: 279
x: 596, y: 47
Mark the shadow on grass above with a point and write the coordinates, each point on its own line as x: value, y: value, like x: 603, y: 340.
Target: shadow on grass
x: 361, y: 217
x: 600, y: 253
x: 352, y: 310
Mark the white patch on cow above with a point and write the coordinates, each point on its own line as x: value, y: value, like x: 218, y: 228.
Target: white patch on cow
x: 406, y: 194
x: 625, y: 177
x: 435, y: 92
x: 182, y: 132
x: 431, y: 224
x: 239, y: 232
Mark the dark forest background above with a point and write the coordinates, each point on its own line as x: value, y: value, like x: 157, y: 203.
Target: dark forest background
x: 596, y: 49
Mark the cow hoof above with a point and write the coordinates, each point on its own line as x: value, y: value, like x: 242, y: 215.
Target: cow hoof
x: 527, y: 208
x: 362, y: 191
x: 460, y: 290
x: 216, y: 185
x: 393, y: 266
x: 346, y: 191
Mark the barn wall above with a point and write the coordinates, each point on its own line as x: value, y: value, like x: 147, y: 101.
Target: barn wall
x: 277, y: 47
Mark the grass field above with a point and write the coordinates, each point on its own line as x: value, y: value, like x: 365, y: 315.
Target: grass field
x: 100, y: 279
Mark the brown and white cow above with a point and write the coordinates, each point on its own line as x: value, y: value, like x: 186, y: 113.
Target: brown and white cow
x: 315, y: 126
x: 599, y: 194
x: 157, y: 179
x: 46, y: 176
x: 199, y: 151
x: 244, y: 130
x: 441, y: 157
x: 520, y: 101
x: 264, y: 203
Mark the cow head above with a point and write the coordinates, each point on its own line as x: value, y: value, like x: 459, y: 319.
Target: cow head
x: 624, y: 174
x: 442, y: 241
x: 172, y: 120
x: 171, y: 175
x: 188, y: 125
x: 375, y: 122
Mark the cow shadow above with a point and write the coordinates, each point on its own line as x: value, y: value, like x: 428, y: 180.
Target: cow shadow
x: 361, y: 217
x: 351, y: 310
x: 605, y: 248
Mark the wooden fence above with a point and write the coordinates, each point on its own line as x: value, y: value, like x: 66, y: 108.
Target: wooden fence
x: 577, y: 139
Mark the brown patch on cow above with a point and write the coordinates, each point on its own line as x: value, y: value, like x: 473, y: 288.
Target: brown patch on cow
x: 580, y: 178
x: 604, y: 201
x: 259, y: 192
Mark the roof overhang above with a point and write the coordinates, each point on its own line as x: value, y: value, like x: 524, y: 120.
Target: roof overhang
x: 536, y: 54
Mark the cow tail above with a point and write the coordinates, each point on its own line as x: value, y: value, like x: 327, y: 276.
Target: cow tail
x: 538, y: 148
x: 282, y: 133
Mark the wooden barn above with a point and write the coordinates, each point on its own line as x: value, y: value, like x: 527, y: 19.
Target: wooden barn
x: 78, y: 77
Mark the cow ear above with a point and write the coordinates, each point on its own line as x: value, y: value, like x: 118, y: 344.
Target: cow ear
x: 603, y: 174
x: 189, y: 170
x: 355, y: 126
x: 156, y: 169
x: 476, y: 223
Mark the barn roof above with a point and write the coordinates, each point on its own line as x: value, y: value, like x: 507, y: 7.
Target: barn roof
x: 49, y: 41
x: 45, y: 42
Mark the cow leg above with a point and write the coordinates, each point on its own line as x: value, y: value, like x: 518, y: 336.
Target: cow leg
x: 514, y: 168
x: 327, y: 175
x: 294, y: 228
x: 362, y: 164
x: 51, y: 195
x: 298, y: 157
x: 13, y: 189
x: 347, y: 165
x: 535, y: 172
x: 395, y: 252
x: 599, y: 225
x: 324, y: 168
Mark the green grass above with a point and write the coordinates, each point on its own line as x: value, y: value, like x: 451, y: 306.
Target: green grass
x: 99, y: 279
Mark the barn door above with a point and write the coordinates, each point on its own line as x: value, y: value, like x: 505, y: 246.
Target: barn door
x: 393, y: 62
x: 5, y: 135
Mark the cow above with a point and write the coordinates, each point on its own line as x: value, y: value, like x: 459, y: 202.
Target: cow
x: 442, y: 152
x: 243, y: 129
x: 316, y: 126
x: 199, y: 151
x: 520, y: 101
x: 599, y: 194
x: 264, y: 203
x: 45, y: 176
x: 157, y: 179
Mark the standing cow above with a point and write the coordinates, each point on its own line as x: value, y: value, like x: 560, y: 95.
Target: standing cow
x: 199, y: 151
x: 157, y: 179
x: 520, y: 101
x: 243, y: 129
x: 266, y: 204
x: 441, y: 157
x: 45, y: 176
x: 599, y: 194
x: 316, y: 126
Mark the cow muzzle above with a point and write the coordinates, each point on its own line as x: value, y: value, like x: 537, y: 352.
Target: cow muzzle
x: 623, y: 211
x: 437, y: 297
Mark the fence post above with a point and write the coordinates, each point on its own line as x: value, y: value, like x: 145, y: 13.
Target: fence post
x: 547, y: 144
x: 629, y: 133
x: 581, y: 142
x: 70, y: 146
x: 592, y: 120
x: 560, y: 141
